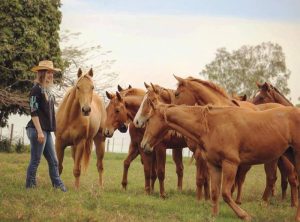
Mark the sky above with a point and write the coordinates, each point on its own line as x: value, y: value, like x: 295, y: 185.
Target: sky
x: 152, y: 40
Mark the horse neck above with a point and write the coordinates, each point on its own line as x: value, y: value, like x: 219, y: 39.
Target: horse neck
x: 133, y: 104
x: 180, y: 119
x: 72, y: 108
x: 281, y: 99
x: 205, y: 95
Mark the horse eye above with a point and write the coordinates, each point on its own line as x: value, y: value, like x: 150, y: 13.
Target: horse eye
x: 93, y: 87
x: 117, y: 111
x: 77, y: 87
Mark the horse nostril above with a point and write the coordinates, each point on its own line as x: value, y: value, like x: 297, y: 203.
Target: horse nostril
x: 137, y: 122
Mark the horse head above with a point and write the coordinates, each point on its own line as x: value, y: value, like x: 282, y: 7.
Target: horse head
x: 155, y: 93
x: 183, y: 93
x: 84, y: 91
x: 117, y: 115
x: 156, y: 126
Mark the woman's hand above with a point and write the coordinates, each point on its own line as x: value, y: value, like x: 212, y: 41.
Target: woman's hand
x: 41, y: 137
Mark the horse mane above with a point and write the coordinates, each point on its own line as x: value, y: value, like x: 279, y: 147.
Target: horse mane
x: 210, y: 85
x: 133, y: 92
x: 276, y: 90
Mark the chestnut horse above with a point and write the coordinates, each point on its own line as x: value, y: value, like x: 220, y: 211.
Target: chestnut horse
x: 230, y: 136
x: 120, y: 112
x: 158, y: 93
x: 269, y: 94
x: 192, y: 91
x: 80, y: 120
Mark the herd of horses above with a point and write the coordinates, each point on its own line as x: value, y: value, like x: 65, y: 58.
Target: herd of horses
x: 227, y: 135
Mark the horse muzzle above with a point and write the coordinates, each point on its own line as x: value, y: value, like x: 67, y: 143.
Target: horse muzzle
x: 123, y: 128
x: 146, y: 147
x: 108, y: 133
x: 139, y: 123
x: 86, y: 110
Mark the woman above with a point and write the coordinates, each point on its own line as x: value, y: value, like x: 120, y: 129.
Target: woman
x: 41, y: 125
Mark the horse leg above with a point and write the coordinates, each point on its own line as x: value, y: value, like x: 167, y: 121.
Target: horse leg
x: 239, y: 180
x: 287, y: 170
x: 215, y: 174
x: 177, y: 158
x: 153, y: 172
x: 202, y: 177
x: 99, y: 141
x: 161, y: 164
x: 147, y: 161
x: 133, y: 152
x: 297, y: 166
x: 77, y: 161
x: 284, y: 180
x: 229, y: 170
x: 60, y: 151
x: 271, y: 170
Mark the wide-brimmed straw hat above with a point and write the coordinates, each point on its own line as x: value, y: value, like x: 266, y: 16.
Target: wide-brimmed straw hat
x: 45, y: 65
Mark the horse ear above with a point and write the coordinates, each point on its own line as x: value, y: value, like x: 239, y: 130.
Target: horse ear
x: 154, y: 88
x: 258, y: 85
x: 79, y: 72
x: 146, y: 85
x: 91, y: 73
x: 244, y: 97
x: 179, y: 79
x: 129, y: 87
x: 109, y: 96
x: 119, y: 96
x: 120, y: 88
x: 265, y: 87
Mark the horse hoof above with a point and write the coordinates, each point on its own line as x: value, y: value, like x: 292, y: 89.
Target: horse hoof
x: 238, y: 202
x: 163, y: 196
x: 247, y: 218
x: 124, y: 186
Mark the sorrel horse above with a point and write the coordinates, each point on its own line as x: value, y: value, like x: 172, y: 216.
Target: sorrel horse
x: 230, y: 136
x: 158, y: 93
x: 270, y: 94
x: 192, y: 91
x: 120, y: 112
x: 80, y: 120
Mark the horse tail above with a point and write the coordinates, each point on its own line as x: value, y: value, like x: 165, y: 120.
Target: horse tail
x: 192, y: 159
x: 86, y: 155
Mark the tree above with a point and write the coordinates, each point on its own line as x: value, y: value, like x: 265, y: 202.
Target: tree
x: 239, y: 71
x: 84, y: 55
x: 28, y: 34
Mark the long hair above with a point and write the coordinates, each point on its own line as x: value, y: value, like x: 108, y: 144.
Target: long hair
x: 40, y: 77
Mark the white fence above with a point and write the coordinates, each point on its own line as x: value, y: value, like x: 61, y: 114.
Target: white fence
x: 119, y: 143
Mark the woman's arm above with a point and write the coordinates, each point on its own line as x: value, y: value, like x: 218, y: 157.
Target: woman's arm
x: 37, y: 125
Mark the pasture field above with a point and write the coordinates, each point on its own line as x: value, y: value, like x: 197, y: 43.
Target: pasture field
x: 114, y: 204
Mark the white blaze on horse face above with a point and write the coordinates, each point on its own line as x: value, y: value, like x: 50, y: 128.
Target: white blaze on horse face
x: 139, y: 119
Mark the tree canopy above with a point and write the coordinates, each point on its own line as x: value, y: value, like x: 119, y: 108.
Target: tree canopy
x: 29, y: 32
x: 239, y: 70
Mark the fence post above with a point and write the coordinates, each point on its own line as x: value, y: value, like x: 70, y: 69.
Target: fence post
x: 122, y: 144
x: 113, y: 145
x: 11, y: 134
x: 0, y: 133
x: 107, y: 146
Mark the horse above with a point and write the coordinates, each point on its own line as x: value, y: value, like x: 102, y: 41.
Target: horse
x: 230, y: 136
x: 120, y: 112
x: 80, y: 121
x: 158, y: 93
x: 269, y: 94
x: 192, y: 91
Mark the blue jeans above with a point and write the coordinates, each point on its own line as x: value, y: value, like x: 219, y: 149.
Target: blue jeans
x: 36, y: 150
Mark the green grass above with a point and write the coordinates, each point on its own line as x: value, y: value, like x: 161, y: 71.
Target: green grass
x: 114, y: 204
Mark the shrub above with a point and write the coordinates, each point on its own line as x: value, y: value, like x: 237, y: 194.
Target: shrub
x: 20, y: 147
x: 5, y: 146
